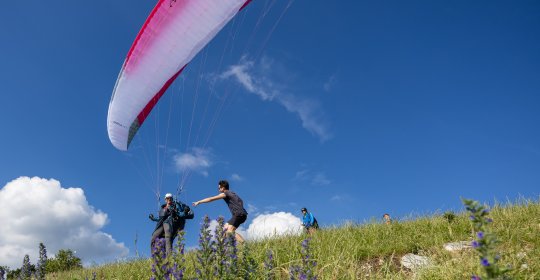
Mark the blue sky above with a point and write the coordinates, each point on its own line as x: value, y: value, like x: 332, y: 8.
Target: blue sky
x: 349, y: 108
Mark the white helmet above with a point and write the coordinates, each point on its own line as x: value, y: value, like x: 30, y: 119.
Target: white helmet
x: 168, y: 195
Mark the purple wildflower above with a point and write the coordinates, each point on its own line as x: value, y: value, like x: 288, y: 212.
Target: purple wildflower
x: 293, y: 271
x: 177, y: 270
x: 485, y: 244
x: 159, y: 258
x: 40, y: 269
x: 475, y: 277
x: 219, y: 249
x: 269, y: 266
x: 26, y: 271
x: 205, y: 254
x: 248, y: 265
x: 308, y: 265
x: 232, y: 253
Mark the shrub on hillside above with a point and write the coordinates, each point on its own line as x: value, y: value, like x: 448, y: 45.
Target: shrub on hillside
x: 64, y: 260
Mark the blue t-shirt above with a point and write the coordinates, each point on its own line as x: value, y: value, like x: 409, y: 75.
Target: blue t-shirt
x: 308, y: 220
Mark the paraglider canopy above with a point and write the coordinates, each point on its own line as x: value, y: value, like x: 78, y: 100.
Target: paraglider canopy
x: 174, y: 32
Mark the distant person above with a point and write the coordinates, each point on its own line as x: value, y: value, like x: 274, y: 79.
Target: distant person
x: 308, y: 221
x: 235, y: 204
x: 387, y: 219
x: 172, y: 218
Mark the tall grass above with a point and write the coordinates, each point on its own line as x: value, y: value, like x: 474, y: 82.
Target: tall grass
x: 373, y: 250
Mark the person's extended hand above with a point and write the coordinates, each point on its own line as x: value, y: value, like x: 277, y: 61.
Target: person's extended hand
x: 196, y: 203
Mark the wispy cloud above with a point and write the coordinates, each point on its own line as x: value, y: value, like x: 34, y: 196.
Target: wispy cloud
x: 198, y: 160
x: 237, y: 178
x: 320, y: 179
x: 312, y: 177
x: 252, y: 209
x: 256, y: 79
x: 51, y: 205
x: 341, y: 197
x: 329, y: 84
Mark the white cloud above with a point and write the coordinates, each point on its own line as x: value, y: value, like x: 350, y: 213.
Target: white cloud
x: 236, y: 177
x: 35, y: 210
x: 274, y: 224
x: 255, y: 79
x: 198, y: 160
x: 214, y: 224
x: 260, y: 87
x: 267, y: 226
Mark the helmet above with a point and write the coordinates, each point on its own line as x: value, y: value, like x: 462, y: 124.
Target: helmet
x: 303, y: 209
x: 168, y: 195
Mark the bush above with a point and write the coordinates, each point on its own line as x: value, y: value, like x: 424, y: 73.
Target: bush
x: 449, y: 216
x: 64, y: 260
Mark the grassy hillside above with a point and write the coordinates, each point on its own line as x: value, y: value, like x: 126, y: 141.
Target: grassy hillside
x: 373, y: 250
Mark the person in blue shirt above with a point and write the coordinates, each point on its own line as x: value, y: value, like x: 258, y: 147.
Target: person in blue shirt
x: 308, y: 221
x: 172, y: 218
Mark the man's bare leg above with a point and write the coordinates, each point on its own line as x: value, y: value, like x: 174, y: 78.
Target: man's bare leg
x: 232, y: 230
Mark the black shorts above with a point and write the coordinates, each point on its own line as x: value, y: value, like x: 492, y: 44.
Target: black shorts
x: 236, y: 221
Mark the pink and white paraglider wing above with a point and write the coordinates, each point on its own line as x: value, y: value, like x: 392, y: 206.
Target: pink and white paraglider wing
x: 172, y: 35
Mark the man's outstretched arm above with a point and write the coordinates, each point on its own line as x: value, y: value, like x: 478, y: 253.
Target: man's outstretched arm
x: 209, y: 199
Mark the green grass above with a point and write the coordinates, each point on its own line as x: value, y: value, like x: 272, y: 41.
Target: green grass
x: 373, y: 250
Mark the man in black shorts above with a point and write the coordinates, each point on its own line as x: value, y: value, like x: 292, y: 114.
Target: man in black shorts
x: 235, y: 204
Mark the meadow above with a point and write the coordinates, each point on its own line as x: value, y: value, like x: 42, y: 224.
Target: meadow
x: 370, y: 250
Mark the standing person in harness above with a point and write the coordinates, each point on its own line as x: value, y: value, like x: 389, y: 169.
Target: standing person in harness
x: 308, y: 221
x: 172, y: 218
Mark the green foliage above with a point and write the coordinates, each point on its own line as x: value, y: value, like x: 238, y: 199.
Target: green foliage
x: 449, y: 216
x: 64, y: 260
x: 248, y: 268
x: 13, y: 274
x: 372, y: 250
